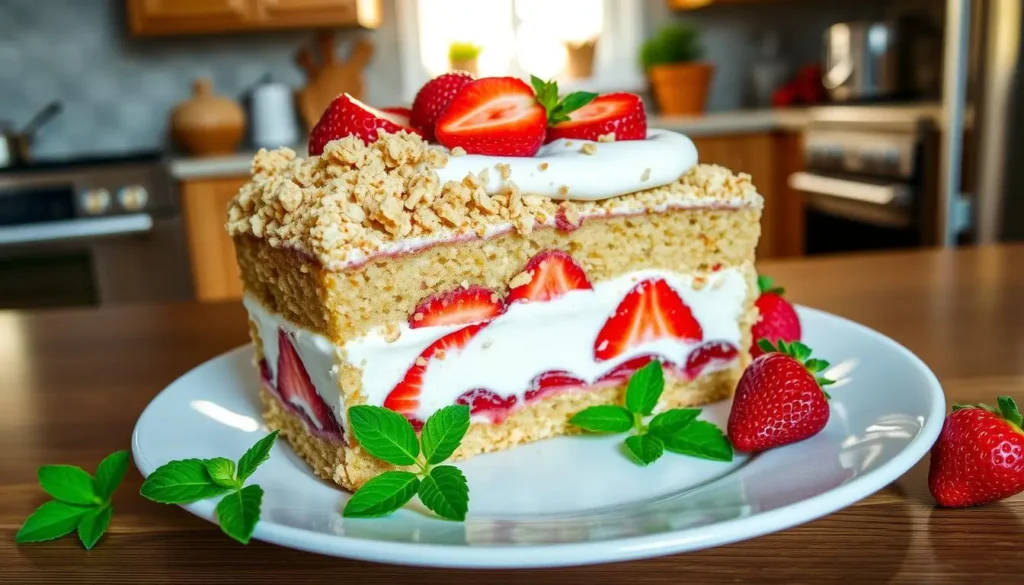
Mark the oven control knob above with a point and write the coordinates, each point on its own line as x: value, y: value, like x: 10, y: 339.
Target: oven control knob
x: 133, y: 197
x: 95, y: 201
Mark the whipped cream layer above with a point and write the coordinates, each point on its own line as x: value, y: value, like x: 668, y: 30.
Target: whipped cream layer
x: 514, y: 348
x: 614, y: 168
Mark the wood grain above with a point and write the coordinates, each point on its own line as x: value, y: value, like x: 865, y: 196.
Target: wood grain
x: 72, y: 384
x: 214, y: 268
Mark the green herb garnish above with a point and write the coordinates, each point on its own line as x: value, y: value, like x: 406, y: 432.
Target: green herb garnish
x: 558, y: 109
x: 185, y: 481
x: 389, y: 436
x: 81, y: 502
x: 677, y: 430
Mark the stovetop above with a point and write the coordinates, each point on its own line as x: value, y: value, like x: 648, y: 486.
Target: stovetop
x: 81, y: 162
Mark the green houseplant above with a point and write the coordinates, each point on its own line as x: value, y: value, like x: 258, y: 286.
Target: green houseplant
x: 679, y: 79
x: 462, y: 56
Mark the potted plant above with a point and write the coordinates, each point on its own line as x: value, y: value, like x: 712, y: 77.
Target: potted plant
x: 462, y: 56
x: 680, y: 82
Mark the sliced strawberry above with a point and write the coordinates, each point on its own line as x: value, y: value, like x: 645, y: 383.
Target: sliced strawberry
x: 346, y: 115
x: 405, y: 396
x: 296, y: 389
x: 552, y: 274
x: 711, y: 352
x: 626, y: 369
x: 550, y: 383
x: 495, y: 116
x: 399, y: 111
x: 651, y: 311
x: 457, y: 307
x: 619, y: 113
x: 484, y: 402
x: 433, y: 98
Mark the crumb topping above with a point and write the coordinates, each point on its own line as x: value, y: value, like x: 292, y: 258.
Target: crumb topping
x: 589, y: 148
x: 357, y: 199
x: 609, y: 137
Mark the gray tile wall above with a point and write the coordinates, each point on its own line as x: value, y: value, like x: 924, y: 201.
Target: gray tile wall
x: 119, y: 91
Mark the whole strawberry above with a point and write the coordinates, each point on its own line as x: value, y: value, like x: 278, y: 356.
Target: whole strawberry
x: 347, y: 116
x: 778, y: 318
x: 979, y: 457
x: 780, y: 399
x: 433, y: 98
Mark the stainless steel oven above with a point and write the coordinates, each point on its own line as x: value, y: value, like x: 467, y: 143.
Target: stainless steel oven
x: 99, y: 232
x: 869, y: 185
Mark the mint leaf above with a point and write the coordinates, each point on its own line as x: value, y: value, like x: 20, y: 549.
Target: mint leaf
x: 110, y: 473
x: 546, y: 92
x: 222, y: 472
x: 93, y: 525
x: 180, y: 482
x: 644, y: 389
x: 672, y: 421
x: 255, y: 456
x: 604, y: 418
x: 443, y: 432
x: 445, y: 491
x: 51, y: 520
x: 645, y: 448
x: 1008, y: 408
x: 239, y: 511
x: 700, y: 439
x: 69, y: 484
x: 569, y: 103
x: 385, y: 434
x: 382, y: 495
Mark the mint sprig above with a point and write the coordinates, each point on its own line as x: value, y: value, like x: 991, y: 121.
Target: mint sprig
x: 389, y: 436
x: 185, y: 481
x: 81, y: 502
x: 676, y: 430
x: 558, y: 109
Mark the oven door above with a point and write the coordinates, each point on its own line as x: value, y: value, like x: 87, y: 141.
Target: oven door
x: 845, y: 214
x: 94, y: 261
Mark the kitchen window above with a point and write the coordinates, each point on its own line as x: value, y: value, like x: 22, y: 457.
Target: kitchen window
x: 548, y: 38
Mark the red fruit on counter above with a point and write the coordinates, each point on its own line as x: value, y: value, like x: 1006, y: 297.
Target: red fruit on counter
x: 496, y: 116
x: 457, y: 307
x: 619, y: 113
x: 348, y: 116
x: 780, y: 399
x: 433, y: 98
x: 979, y: 457
x: 777, y: 320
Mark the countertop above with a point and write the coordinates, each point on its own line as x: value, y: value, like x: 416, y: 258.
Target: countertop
x: 710, y: 124
x: 73, y: 382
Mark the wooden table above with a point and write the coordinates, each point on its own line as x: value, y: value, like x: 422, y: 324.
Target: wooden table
x: 72, y: 384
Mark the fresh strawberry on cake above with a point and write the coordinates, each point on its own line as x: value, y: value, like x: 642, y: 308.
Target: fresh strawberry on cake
x: 498, y: 245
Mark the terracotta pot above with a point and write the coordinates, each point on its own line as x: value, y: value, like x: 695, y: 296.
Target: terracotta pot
x: 467, y: 65
x: 681, y: 88
x: 207, y: 124
x: 580, y: 64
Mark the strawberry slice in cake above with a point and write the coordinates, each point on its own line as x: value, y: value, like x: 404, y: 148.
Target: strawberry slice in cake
x: 499, y: 246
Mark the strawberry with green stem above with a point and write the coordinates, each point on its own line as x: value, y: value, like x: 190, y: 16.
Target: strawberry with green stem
x: 778, y: 319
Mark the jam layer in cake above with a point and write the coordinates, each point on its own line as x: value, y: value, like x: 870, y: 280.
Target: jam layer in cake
x: 525, y: 308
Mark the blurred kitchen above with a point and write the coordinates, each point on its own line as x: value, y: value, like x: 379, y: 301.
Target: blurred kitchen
x: 127, y: 125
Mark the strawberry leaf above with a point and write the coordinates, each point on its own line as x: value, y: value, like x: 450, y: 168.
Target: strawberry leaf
x: 800, y: 351
x: 766, y: 285
x: 1008, y: 408
x: 547, y: 93
x: 766, y: 346
x: 569, y: 103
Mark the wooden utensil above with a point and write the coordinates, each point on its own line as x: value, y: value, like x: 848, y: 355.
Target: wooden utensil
x: 327, y: 76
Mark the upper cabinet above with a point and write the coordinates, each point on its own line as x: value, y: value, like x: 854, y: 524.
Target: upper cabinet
x: 182, y: 17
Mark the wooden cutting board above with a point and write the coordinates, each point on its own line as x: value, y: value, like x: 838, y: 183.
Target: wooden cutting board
x: 327, y: 76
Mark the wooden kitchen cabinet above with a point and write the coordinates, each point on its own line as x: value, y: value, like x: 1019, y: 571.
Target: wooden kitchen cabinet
x: 769, y: 158
x: 215, y: 271
x: 183, y: 17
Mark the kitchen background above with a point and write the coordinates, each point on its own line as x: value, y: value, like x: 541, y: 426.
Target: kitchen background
x: 159, y: 105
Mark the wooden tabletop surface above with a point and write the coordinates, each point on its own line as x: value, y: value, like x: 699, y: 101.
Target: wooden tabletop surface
x: 72, y: 384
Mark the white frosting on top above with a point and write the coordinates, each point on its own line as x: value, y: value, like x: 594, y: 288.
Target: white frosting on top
x: 511, y: 351
x: 615, y: 168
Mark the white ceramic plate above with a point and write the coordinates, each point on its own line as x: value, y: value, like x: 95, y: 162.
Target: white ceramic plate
x: 577, y: 500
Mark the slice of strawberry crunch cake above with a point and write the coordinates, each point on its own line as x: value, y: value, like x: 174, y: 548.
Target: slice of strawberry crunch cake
x: 525, y: 265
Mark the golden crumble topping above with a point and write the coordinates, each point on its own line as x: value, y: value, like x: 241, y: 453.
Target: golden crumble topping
x: 357, y: 199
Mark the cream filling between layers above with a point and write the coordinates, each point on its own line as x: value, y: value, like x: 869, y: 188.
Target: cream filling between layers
x: 513, y: 349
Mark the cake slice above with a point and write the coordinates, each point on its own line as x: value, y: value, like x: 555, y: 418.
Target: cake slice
x: 397, y: 274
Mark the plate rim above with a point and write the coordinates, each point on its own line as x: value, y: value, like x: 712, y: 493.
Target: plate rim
x: 548, y: 555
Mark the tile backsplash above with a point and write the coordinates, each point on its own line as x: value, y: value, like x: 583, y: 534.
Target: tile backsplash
x: 118, y: 91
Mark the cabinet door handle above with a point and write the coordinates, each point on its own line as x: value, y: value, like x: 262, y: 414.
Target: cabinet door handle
x: 845, y: 189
